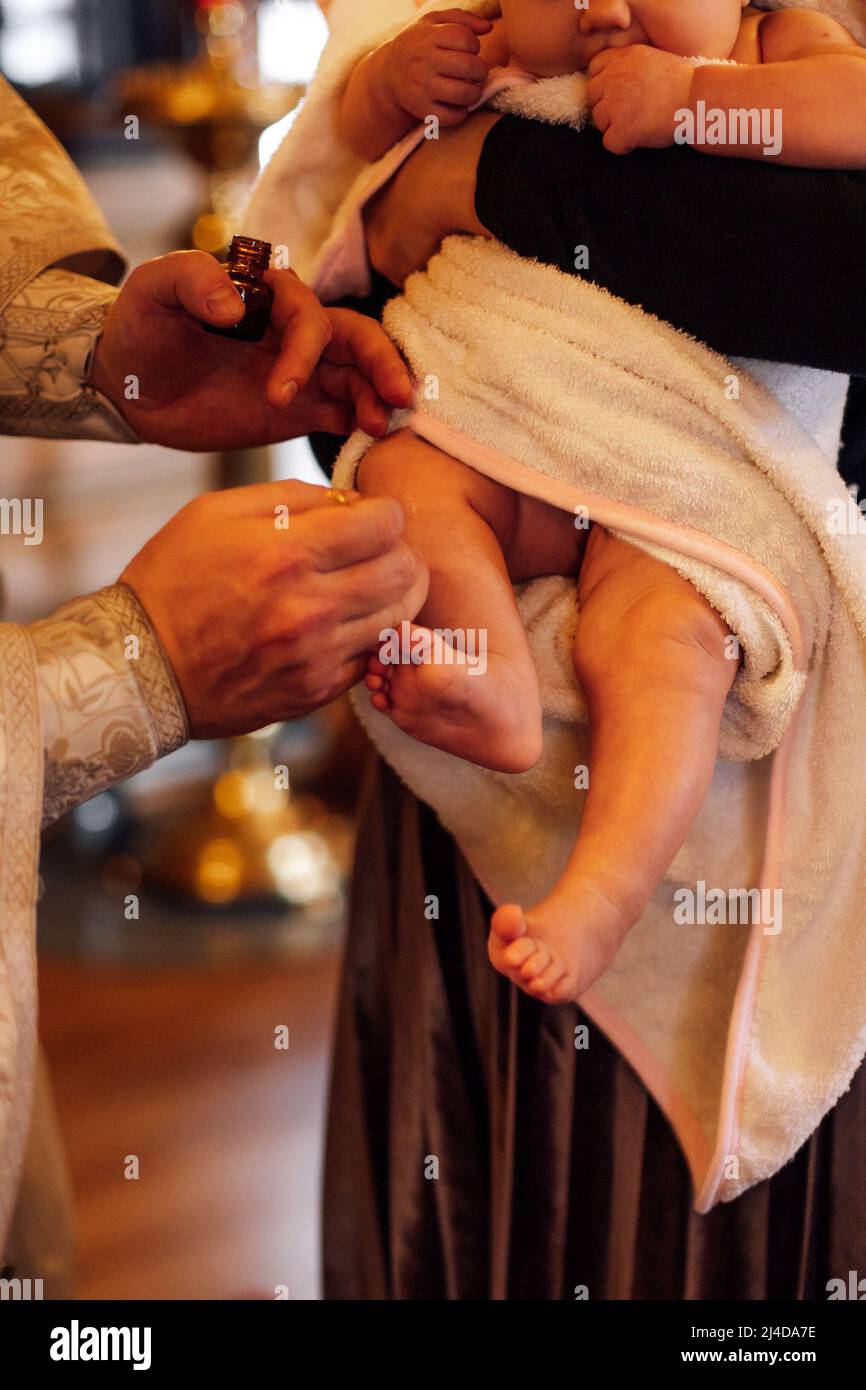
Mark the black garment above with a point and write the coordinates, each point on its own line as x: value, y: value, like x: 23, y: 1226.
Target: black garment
x: 753, y: 259
x: 852, y: 458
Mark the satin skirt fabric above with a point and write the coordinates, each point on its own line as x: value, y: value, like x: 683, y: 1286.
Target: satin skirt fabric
x: 474, y: 1152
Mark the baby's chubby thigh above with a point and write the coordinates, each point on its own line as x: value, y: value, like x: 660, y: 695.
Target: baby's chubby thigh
x: 440, y: 496
x: 461, y: 524
x: 445, y: 502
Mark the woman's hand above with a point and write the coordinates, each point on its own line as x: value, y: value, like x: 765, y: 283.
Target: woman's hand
x: 431, y: 196
x: 175, y: 384
x: 263, y: 620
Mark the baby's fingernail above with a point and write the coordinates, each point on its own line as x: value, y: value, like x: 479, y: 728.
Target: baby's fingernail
x: 225, y: 303
x: 287, y: 392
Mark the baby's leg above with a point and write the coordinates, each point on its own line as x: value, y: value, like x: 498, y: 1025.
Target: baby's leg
x: 463, y: 526
x: 650, y: 655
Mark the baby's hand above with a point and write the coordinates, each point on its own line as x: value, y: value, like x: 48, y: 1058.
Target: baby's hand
x: 433, y: 66
x: 635, y: 93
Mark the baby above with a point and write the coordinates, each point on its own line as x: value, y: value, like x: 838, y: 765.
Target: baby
x: 651, y: 656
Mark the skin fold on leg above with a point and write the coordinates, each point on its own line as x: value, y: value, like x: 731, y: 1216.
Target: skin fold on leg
x: 652, y: 660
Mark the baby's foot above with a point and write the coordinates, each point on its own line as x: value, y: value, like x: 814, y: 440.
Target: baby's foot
x: 491, y: 717
x: 557, y: 949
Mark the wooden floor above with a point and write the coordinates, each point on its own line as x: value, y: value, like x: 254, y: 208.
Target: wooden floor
x: 179, y: 1068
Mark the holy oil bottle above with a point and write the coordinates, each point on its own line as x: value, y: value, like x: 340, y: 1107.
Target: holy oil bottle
x: 247, y: 262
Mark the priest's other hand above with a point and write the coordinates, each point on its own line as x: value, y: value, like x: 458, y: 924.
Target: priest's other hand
x: 268, y: 599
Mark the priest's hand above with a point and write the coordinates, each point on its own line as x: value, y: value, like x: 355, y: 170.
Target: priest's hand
x: 268, y: 599
x: 176, y: 384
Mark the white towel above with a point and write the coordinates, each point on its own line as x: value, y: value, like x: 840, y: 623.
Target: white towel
x: 746, y: 1037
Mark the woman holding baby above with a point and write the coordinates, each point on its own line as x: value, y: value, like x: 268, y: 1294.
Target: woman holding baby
x: 557, y: 1175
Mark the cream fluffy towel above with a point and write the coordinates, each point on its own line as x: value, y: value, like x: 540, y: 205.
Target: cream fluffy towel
x: 745, y: 1037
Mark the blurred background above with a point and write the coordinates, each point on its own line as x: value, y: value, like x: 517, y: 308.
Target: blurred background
x: 191, y: 921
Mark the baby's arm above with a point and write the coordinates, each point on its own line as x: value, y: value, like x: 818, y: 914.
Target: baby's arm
x: 814, y: 72
x: 433, y: 67
x: 809, y: 68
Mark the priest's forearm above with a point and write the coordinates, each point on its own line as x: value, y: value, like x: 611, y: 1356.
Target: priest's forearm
x: 110, y: 704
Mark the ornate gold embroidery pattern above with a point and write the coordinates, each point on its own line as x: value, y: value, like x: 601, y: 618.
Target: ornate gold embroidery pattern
x: 20, y: 799
x: 46, y: 212
x: 47, y: 337
x: 59, y: 301
x: 47, y: 217
x: 105, y: 715
x: 159, y: 689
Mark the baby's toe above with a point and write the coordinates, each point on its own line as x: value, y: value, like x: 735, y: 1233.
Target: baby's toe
x: 536, y: 964
x: 379, y: 700
x: 375, y: 667
x: 549, y: 979
x: 563, y: 992
x: 508, y: 922
x: 518, y: 952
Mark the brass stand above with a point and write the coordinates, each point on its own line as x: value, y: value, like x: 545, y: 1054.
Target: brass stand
x: 216, y: 110
x: 254, y: 841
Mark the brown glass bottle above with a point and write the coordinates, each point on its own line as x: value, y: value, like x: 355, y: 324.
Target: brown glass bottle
x: 247, y: 262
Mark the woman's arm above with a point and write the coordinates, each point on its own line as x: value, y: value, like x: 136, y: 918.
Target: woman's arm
x: 432, y: 195
x: 753, y: 259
